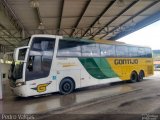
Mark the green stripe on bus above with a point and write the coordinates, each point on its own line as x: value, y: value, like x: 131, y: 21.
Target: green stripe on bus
x: 105, y: 67
x: 98, y: 67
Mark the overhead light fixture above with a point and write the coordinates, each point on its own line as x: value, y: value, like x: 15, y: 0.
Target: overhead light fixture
x: 34, y: 3
x: 41, y: 26
x: 106, y: 29
x: 23, y: 34
x: 120, y: 3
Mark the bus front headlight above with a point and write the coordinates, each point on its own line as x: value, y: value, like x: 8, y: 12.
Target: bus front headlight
x: 20, y: 84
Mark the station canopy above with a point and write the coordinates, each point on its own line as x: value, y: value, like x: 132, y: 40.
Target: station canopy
x: 100, y: 19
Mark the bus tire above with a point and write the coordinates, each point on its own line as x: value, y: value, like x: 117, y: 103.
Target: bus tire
x: 134, y: 77
x: 66, y: 86
x: 140, y: 75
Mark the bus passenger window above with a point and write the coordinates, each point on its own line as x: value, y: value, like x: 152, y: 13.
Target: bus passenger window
x: 122, y: 51
x: 141, y: 52
x: 148, y: 52
x: 133, y: 51
x: 69, y: 49
x: 90, y: 50
x: 107, y: 50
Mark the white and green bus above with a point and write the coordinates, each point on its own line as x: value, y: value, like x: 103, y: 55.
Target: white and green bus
x: 52, y: 63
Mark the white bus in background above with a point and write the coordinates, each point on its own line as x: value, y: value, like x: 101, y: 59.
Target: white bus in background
x: 8, y: 57
x: 54, y: 63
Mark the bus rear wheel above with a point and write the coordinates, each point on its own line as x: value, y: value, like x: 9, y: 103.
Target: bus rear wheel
x: 66, y: 86
x: 140, y: 76
x: 134, y: 77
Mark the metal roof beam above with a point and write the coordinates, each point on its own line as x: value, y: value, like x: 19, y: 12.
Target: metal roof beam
x: 14, y: 19
x: 79, y: 19
x: 123, y: 11
x: 9, y: 33
x: 39, y: 18
x: 61, y: 14
x: 143, y: 23
x: 99, y: 16
x: 88, y: 16
x: 8, y: 37
x: 8, y: 42
x: 131, y: 18
x: 38, y: 15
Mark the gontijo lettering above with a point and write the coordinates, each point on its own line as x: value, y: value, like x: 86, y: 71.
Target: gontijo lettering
x: 125, y: 61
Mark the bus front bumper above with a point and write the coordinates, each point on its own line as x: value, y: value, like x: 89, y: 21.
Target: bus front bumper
x: 20, y: 91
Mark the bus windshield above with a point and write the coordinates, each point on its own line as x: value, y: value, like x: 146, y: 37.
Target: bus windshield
x: 40, y: 58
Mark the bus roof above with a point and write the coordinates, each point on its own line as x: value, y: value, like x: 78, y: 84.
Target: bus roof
x: 102, y: 41
x: 94, y: 40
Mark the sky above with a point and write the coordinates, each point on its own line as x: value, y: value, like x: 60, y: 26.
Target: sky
x: 147, y: 36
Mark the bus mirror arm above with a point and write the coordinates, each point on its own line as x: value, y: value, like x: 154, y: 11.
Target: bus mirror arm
x: 30, y: 65
x: 19, y: 53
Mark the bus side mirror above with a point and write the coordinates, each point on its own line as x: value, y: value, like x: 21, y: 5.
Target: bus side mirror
x: 20, y: 54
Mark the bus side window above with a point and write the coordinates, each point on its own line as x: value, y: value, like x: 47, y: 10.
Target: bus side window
x: 69, y: 49
x: 148, y: 52
x: 90, y: 50
x: 107, y: 50
x: 133, y: 51
x: 141, y: 52
x: 121, y: 51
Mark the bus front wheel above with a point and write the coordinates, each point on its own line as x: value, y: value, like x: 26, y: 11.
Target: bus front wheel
x: 66, y: 86
x: 134, y: 77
